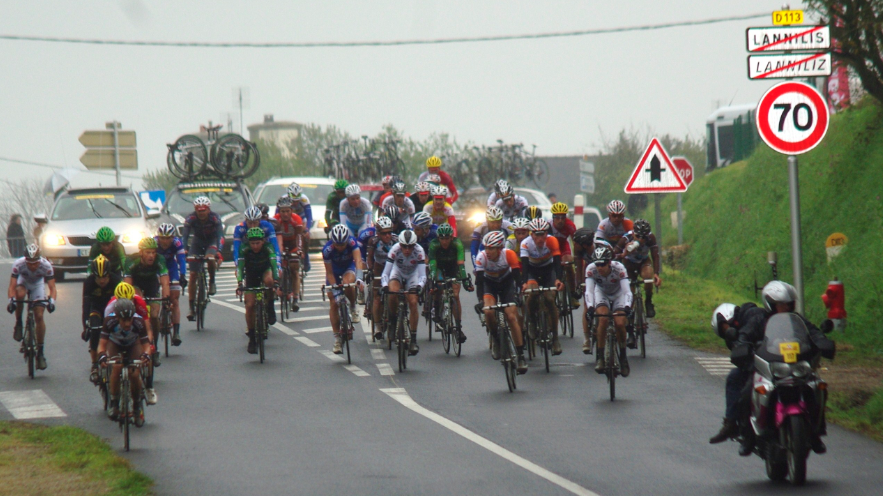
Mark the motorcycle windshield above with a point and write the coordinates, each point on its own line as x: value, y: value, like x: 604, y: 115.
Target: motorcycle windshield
x: 786, y: 337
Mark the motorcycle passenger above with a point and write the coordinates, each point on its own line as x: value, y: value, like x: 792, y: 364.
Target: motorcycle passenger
x: 607, y: 287
x: 405, y: 269
x: 106, y: 244
x: 541, y: 260
x: 172, y: 250
x: 98, y: 289
x: 31, y: 275
x: 615, y: 225
x: 635, y: 249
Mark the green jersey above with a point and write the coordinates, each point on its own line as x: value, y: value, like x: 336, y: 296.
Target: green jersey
x: 332, y: 209
x: 117, y: 257
x: 449, y: 260
x: 256, y: 262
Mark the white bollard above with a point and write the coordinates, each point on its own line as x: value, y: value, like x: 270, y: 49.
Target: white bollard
x: 578, y: 217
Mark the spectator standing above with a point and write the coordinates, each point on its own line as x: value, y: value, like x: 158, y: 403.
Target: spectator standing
x: 15, y: 237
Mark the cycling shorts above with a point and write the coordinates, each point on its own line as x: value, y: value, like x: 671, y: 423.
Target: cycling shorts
x: 338, y: 272
x: 544, y: 276
x: 96, y: 319
x: 149, y: 286
x: 634, y: 268
x: 254, y: 280
x: 35, y: 290
x: 199, y: 247
x: 408, y: 281
x: 617, y: 302
x: 503, y: 291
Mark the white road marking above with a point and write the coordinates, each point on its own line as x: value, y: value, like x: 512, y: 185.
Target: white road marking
x: 314, y: 317
x: 717, y: 366
x: 400, y: 395
x: 307, y: 341
x: 377, y: 354
x: 284, y: 329
x: 30, y: 404
x: 331, y: 356
x: 384, y: 369
x: 317, y: 329
x: 312, y: 309
x: 356, y: 370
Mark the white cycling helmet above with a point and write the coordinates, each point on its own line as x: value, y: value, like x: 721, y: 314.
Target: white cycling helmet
x: 538, y: 225
x: 777, y: 292
x: 294, y: 190
x: 493, y: 239
x: 616, y: 207
x: 202, y: 201
x: 422, y: 219
x: 32, y: 252
x: 500, y: 184
x: 339, y: 234
x: 253, y: 213
x: 165, y: 229
x: 493, y: 213
x: 440, y: 191
x: 505, y: 191
x: 408, y: 238
x: 353, y: 190
x: 520, y: 223
x: 423, y: 187
x: 383, y: 222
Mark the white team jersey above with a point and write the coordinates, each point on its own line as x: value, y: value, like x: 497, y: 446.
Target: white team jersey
x: 611, y: 232
x: 355, y: 216
x: 406, y: 265
x: 516, y: 210
x: 408, y: 205
x: 26, y: 276
x: 615, y: 284
x: 381, y: 249
x: 298, y: 204
x: 492, y: 200
x: 499, y: 268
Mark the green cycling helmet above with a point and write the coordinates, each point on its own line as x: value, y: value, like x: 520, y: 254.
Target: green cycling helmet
x: 147, y: 244
x: 255, y: 233
x: 105, y: 235
x: 341, y: 184
x: 445, y: 231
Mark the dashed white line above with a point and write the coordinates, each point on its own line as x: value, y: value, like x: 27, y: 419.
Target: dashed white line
x: 331, y: 356
x: 30, y: 404
x: 317, y: 329
x: 717, y: 366
x: 377, y: 354
x: 307, y: 341
x: 356, y: 370
x: 285, y: 330
x: 384, y: 369
x: 313, y: 317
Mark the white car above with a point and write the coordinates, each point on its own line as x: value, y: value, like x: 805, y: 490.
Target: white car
x: 316, y: 189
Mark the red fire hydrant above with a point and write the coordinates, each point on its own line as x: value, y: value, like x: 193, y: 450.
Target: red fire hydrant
x: 834, y: 300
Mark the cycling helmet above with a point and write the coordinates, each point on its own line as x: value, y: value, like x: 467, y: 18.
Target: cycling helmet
x: 433, y: 178
x: 723, y: 313
x: 124, y: 291
x: 147, y: 244
x: 500, y: 184
x: 100, y: 266
x: 390, y: 211
x: 105, y: 235
x: 602, y: 254
x: 440, y: 191
x: 383, y: 222
x: 559, y: 208
x: 616, y: 207
x: 283, y: 202
x: 341, y: 184
x: 294, y: 190
x: 445, y: 231
x: 124, y: 308
x: 520, y: 223
x: 493, y: 213
x: 340, y: 234
x: 386, y: 181
x: 534, y: 212
x: 202, y: 202
x: 583, y: 236
x: 398, y: 188
x: 265, y: 209
x: 32, y: 252
x: 539, y: 226
x: 408, y: 238
x: 255, y: 233
x: 353, y: 190
x: 165, y: 230
x: 253, y: 213
x: 494, y: 239
x: 777, y: 292
x: 433, y: 162
x: 422, y: 219
x: 642, y: 228
x: 422, y: 187
x: 505, y: 191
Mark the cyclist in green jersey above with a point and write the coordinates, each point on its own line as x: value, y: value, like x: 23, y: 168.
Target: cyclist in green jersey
x: 256, y: 265
x: 106, y: 244
x: 447, y: 260
x: 332, y: 204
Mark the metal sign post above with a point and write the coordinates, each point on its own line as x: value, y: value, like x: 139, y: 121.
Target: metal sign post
x: 116, y: 149
x: 796, y: 248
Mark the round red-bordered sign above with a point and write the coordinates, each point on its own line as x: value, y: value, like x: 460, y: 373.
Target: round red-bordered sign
x: 792, y: 118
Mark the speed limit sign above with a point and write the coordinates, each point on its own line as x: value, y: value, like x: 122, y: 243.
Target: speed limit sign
x: 792, y: 118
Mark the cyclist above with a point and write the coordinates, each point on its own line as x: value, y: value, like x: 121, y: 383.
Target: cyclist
x: 401, y: 203
x: 635, y: 249
x: 289, y: 229
x: 377, y: 251
x: 253, y: 218
x: 583, y: 247
x: 125, y: 291
x: 495, y: 194
x: 563, y: 228
x: 123, y: 334
x: 493, y: 222
x: 98, y: 289
x: 541, y: 259
x: 425, y: 230
x: 398, y: 224
x: 355, y: 211
x: 433, y: 166
x: 615, y: 225
x: 208, y: 231
x: 386, y: 183
x: 511, y: 204
x: 533, y: 212
x: 440, y: 210
x: 343, y: 265
x: 387, y: 190
x: 300, y: 205
x: 607, y: 288
x: 520, y: 231
x: 31, y: 275
x: 256, y: 265
x: 447, y: 260
x: 405, y: 269
x: 172, y: 251
x: 106, y: 244
x: 422, y: 195
x: 332, y: 204
x: 497, y: 271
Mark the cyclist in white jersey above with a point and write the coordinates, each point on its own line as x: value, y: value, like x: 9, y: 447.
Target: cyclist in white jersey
x: 495, y: 194
x: 31, y: 274
x: 615, y: 225
x: 511, y: 204
x: 406, y: 270
x: 355, y: 211
x: 607, y: 287
x: 398, y: 199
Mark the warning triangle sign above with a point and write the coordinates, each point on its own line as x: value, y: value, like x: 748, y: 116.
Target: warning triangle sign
x: 655, y: 173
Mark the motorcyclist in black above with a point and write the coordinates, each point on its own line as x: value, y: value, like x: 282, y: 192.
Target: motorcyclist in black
x: 778, y: 297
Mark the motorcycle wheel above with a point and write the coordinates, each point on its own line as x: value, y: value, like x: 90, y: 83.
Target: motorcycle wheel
x: 776, y: 469
x: 797, y: 450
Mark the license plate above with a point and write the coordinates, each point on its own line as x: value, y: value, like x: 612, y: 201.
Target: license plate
x: 83, y: 252
x: 789, y: 351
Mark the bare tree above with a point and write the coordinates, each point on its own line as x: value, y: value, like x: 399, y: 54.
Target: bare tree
x: 23, y: 197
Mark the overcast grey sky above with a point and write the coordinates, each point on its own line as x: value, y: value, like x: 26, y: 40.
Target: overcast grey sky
x: 558, y: 93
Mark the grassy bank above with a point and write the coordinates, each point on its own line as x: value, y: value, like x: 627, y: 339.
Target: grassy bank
x: 37, y: 460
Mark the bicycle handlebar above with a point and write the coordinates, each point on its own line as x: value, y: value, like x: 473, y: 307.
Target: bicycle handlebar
x: 539, y: 290
x: 499, y: 306
x: 118, y: 360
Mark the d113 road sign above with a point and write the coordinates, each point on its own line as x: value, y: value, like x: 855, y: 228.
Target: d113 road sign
x: 792, y: 118
x: 685, y: 169
x: 655, y: 173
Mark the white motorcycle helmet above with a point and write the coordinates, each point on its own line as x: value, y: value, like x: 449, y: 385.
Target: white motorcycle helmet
x: 777, y: 292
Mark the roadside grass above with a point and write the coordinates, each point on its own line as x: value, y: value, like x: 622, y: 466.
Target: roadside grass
x: 855, y: 380
x: 40, y: 460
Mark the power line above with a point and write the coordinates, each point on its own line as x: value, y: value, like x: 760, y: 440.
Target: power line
x: 348, y: 44
x: 52, y: 166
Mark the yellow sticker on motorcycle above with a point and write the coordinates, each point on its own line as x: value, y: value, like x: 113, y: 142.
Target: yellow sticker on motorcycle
x: 789, y: 351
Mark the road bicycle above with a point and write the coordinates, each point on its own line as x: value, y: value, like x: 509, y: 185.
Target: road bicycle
x: 637, y: 327
x: 445, y: 315
x: 261, y: 329
x: 165, y: 320
x: 544, y: 336
x: 29, y: 338
x: 508, y: 356
x: 611, y: 358
x: 126, y: 407
x: 202, y: 297
x: 345, y: 323
x: 535, y: 169
x: 562, y: 299
x: 287, y: 283
x: 402, y: 330
x: 231, y: 156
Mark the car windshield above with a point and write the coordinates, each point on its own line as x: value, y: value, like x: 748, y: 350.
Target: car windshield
x: 96, y: 206
x: 224, y: 200
x: 317, y: 193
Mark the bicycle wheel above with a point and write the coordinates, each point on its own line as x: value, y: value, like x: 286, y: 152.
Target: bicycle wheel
x: 125, y: 411
x: 640, y: 323
x: 30, y: 345
x: 166, y: 328
x: 400, y: 335
x: 187, y: 157
x: 345, y: 327
x: 506, y: 356
x: 612, y: 362
x: 233, y: 157
x: 285, y: 304
x: 447, y: 327
x: 200, y: 297
x: 516, y: 171
x: 428, y: 304
x: 539, y: 172
x: 487, y: 173
x: 544, y: 335
x: 260, y: 321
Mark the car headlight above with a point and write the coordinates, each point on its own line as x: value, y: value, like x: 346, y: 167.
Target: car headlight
x: 53, y: 240
x: 476, y: 218
x: 780, y: 369
x: 322, y: 223
x: 133, y: 236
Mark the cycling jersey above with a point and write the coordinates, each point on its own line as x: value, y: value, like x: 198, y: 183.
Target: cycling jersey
x: 239, y: 233
x: 381, y: 249
x: 445, y: 179
x: 27, y: 277
x: 406, y: 211
x: 513, y: 244
x: 209, y: 231
x: 642, y: 252
x: 439, y: 217
x: 420, y: 206
x: 117, y: 256
x: 175, y: 257
x: 540, y: 257
x: 251, y: 265
x: 332, y: 209
x: 286, y: 231
x: 113, y: 331
x: 301, y: 206
x: 430, y: 236
x: 478, y: 234
x: 612, y: 290
x: 341, y: 261
x: 140, y: 308
x: 492, y: 200
x: 516, y: 210
x: 355, y: 218
x: 146, y: 277
x: 363, y: 240
x: 403, y: 267
x: 497, y: 269
x: 610, y: 232
x: 563, y: 234
x: 446, y: 261
x: 95, y: 298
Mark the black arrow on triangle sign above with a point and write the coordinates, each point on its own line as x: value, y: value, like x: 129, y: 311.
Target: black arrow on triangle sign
x: 655, y: 169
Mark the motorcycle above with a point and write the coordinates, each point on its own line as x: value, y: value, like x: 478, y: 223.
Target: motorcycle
x: 787, y: 397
